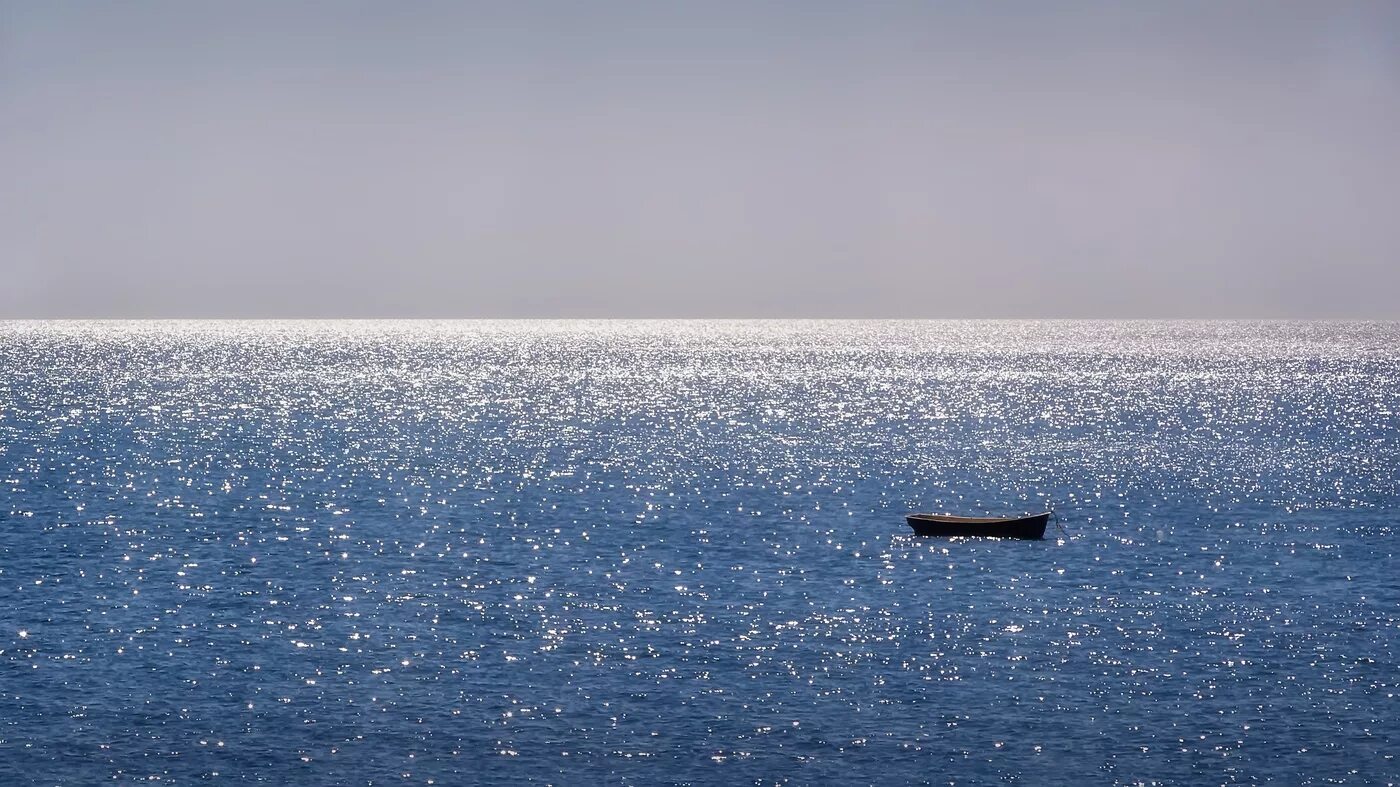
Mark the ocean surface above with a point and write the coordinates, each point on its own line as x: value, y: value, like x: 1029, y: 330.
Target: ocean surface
x: 336, y: 553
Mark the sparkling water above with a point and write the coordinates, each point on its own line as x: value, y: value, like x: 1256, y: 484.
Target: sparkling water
x: 674, y: 552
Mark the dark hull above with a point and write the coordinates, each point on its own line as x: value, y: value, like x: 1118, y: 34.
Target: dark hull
x: 983, y: 527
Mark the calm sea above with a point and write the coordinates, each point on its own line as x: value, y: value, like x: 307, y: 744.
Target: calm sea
x: 674, y: 552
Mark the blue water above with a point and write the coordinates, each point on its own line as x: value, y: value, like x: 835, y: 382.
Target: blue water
x: 656, y: 552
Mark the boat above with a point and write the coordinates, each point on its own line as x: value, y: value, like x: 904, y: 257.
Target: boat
x: 1028, y: 526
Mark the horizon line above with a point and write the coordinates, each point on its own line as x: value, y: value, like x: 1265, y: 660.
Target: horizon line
x: 617, y: 318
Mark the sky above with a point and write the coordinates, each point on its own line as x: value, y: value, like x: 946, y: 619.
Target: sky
x: 700, y: 159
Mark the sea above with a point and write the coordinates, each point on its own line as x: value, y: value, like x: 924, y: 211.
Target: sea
x: 674, y: 552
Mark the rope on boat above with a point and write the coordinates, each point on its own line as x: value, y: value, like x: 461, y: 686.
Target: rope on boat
x: 1056, y: 516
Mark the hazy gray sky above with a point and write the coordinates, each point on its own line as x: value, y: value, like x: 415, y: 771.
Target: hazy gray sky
x: 700, y: 159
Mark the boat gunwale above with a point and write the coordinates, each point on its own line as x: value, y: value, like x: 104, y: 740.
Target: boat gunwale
x: 975, y: 520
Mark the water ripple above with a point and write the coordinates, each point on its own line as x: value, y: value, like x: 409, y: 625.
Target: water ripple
x: 455, y: 552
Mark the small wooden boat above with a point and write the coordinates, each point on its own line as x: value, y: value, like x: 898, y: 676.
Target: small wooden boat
x: 1030, y: 526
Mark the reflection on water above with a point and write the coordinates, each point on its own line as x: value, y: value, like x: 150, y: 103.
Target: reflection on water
x: 674, y: 552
